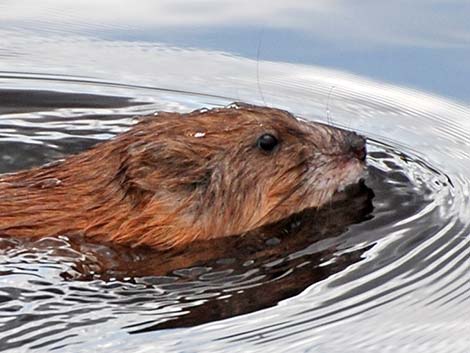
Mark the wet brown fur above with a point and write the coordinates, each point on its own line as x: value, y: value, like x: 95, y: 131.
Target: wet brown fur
x: 175, y: 178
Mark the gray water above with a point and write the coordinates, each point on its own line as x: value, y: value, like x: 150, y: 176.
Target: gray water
x: 394, y: 277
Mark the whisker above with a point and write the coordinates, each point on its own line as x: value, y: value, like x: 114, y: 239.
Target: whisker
x: 258, y: 51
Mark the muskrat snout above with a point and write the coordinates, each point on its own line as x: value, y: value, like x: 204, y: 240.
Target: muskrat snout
x: 357, y: 145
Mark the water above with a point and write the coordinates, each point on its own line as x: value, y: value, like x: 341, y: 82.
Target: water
x: 393, y: 275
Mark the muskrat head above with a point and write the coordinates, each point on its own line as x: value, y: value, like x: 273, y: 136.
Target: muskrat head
x: 226, y: 171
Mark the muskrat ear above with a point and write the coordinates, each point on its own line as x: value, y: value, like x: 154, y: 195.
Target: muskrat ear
x: 164, y: 167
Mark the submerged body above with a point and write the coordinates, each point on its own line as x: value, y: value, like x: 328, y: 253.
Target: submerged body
x: 175, y: 178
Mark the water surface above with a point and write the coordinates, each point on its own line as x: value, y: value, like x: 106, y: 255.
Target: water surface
x: 392, y: 276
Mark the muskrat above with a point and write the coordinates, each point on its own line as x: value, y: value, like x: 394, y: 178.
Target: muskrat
x: 175, y: 178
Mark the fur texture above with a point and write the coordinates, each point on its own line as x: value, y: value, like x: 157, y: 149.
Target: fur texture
x: 175, y: 178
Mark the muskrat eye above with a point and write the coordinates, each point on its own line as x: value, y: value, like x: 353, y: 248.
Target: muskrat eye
x: 267, y: 142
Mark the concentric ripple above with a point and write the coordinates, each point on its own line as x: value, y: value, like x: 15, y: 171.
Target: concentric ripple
x: 388, y: 272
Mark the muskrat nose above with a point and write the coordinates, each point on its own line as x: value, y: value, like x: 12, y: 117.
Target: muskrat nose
x: 357, y: 145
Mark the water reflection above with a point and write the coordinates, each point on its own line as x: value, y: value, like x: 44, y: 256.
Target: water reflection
x: 207, y: 282
x: 369, y: 22
x: 420, y: 44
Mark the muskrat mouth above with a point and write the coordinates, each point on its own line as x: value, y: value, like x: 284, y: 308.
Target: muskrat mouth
x: 353, y: 180
x: 350, y: 191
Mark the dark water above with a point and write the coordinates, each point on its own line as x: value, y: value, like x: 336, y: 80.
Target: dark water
x: 372, y: 274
